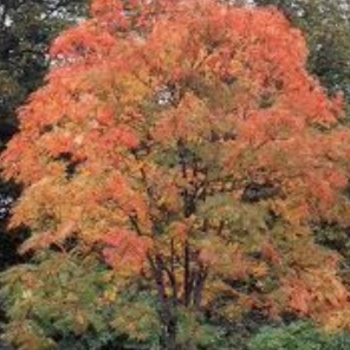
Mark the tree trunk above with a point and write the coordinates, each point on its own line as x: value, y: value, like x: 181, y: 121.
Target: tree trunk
x: 169, y: 332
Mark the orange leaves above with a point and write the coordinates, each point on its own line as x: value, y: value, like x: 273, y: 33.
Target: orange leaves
x: 121, y: 136
x: 117, y: 10
x: 316, y: 293
x: 85, y: 41
x: 272, y: 255
x: 170, y: 45
x: 125, y: 250
x: 300, y: 299
x: 106, y: 117
x: 58, y: 143
x: 264, y: 126
x: 180, y: 230
x: 120, y: 16
x: 101, y: 7
x: 26, y: 169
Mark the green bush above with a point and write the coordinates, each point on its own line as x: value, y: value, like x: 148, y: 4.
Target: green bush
x: 298, y: 336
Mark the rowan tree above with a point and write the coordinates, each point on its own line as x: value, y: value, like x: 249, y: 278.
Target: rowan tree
x: 185, y: 143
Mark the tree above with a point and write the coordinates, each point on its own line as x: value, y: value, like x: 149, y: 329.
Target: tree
x: 185, y: 143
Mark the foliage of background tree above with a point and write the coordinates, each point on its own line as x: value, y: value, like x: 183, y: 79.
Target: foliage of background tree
x: 186, y: 144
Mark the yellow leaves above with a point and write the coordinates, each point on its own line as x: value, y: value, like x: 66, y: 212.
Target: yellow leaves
x: 230, y: 303
x: 215, y: 289
x: 337, y: 321
x: 110, y: 295
x: 295, y: 211
x: 170, y: 198
x: 81, y: 322
x: 132, y: 90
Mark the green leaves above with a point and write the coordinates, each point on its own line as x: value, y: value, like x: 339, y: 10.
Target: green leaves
x: 297, y: 336
x: 54, y: 297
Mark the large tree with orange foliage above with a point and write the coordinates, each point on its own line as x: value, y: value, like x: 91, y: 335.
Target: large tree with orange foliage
x: 185, y: 143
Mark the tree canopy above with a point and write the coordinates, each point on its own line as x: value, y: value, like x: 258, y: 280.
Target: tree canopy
x: 185, y: 144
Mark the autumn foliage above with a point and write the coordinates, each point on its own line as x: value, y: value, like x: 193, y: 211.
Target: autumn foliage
x: 186, y: 143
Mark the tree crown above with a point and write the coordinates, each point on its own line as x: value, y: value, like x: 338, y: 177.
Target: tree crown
x: 186, y: 142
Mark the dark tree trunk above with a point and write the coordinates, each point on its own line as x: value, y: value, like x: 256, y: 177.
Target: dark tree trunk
x: 169, y: 332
